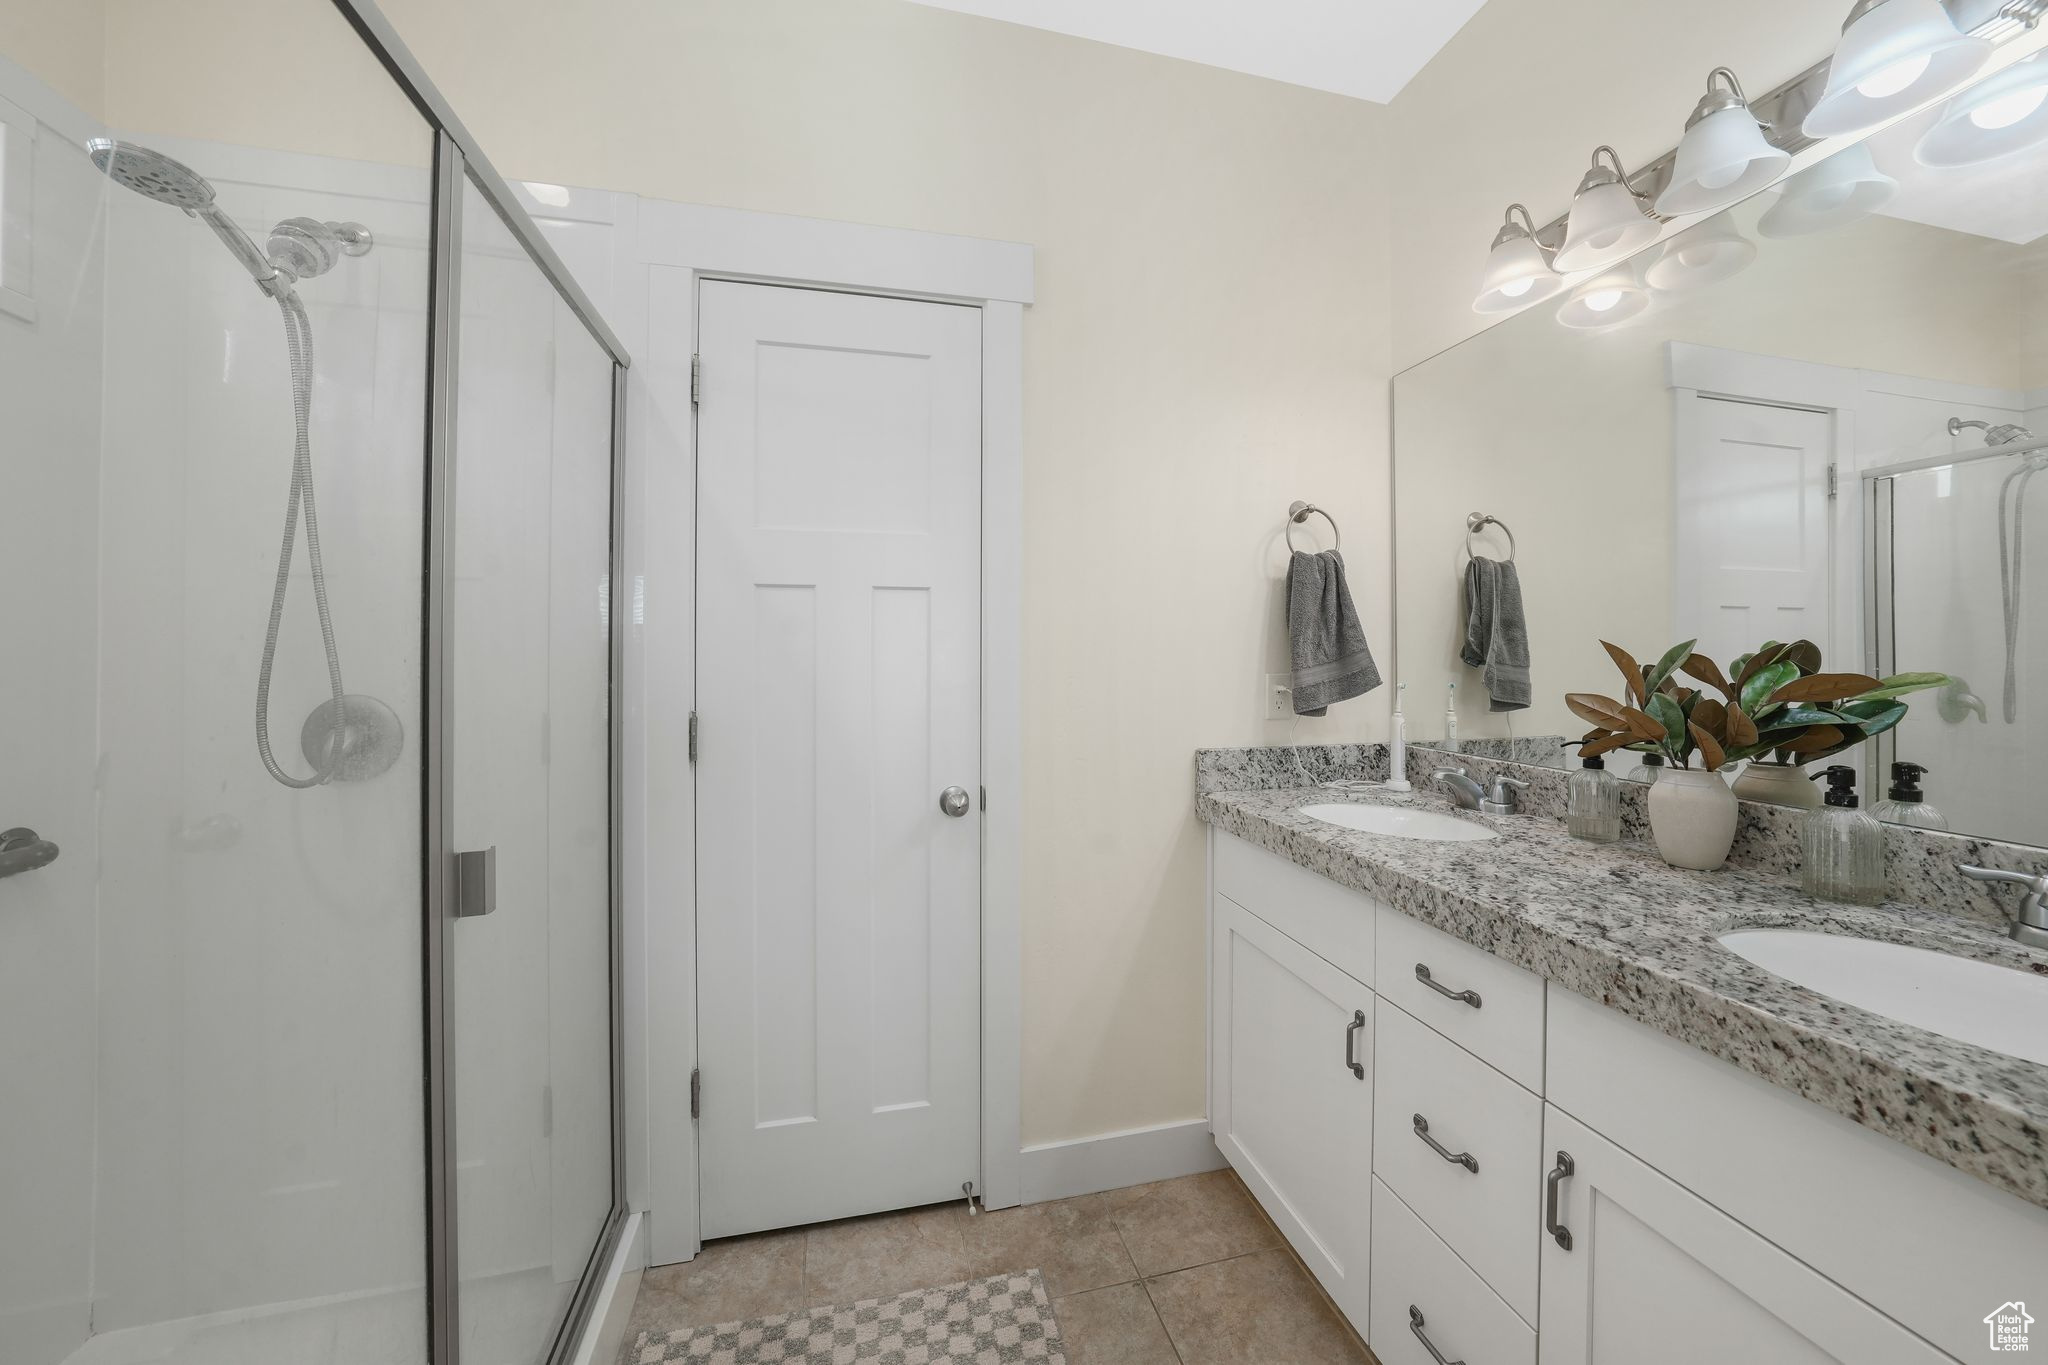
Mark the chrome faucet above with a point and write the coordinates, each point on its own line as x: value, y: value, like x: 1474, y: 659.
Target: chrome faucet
x: 1501, y: 800
x: 1467, y: 793
x: 2030, y: 921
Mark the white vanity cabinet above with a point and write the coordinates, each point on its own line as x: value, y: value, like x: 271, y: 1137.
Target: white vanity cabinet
x: 1713, y: 1216
x: 1291, y: 1094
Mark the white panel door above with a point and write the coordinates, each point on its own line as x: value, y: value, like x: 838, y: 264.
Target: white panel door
x: 1753, y: 525
x: 1291, y: 1061
x: 838, y: 686
x: 1656, y: 1273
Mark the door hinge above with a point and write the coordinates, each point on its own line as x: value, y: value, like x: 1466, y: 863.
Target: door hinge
x: 696, y: 1092
x: 1834, y: 481
x: 693, y: 737
x: 696, y: 380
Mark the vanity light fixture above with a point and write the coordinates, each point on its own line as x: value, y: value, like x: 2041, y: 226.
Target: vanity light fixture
x: 1724, y: 157
x: 1611, y: 297
x: 2006, y: 113
x: 1705, y: 253
x: 1518, y: 272
x: 1895, y: 55
x: 1608, y: 221
x: 1837, y: 192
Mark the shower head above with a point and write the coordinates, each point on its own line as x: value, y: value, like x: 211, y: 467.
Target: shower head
x: 2003, y: 435
x: 151, y: 174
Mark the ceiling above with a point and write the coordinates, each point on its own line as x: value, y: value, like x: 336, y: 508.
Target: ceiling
x: 1365, y: 48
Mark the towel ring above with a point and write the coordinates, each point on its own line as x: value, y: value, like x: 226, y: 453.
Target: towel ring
x: 1299, y: 512
x: 1478, y: 521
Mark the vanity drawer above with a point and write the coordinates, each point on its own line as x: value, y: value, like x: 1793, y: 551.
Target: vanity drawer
x: 1331, y: 921
x: 1412, y: 1268
x: 1505, y: 1027
x: 1489, y: 1216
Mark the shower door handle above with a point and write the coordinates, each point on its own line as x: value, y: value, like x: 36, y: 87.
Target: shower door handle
x: 476, y: 882
x: 23, y: 850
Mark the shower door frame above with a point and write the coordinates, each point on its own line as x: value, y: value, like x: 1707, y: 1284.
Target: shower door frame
x: 458, y: 158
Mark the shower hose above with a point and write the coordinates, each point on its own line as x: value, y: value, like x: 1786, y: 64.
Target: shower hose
x: 2011, y: 565
x: 298, y: 333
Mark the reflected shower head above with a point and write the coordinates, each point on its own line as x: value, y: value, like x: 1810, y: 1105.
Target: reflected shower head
x: 151, y: 174
x: 2004, y: 435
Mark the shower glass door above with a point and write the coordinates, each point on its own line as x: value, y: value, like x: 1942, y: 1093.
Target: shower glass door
x: 530, y: 778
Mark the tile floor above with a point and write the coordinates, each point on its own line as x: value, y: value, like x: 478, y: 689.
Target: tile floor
x: 1182, y: 1272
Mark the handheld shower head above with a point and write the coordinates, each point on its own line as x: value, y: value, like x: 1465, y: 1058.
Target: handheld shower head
x: 151, y: 174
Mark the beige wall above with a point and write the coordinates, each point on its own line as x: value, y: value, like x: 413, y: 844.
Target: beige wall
x: 1209, y: 343
x: 62, y: 43
x: 1513, y: 106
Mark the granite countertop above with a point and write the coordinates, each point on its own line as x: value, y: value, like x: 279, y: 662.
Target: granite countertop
x: 1615, y: 924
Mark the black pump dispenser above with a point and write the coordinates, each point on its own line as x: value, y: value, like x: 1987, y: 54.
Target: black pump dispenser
x: 1906, y: 783
x: 1596, y: 761
x: 1841, y: 786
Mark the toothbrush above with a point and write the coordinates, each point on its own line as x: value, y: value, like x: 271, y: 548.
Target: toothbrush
x: 1451, y: 720
x: 1397, y: 762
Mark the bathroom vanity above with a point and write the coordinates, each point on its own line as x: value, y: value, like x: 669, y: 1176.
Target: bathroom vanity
x: 1511, y: 1100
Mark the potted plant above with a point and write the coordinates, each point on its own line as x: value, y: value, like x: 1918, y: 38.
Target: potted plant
x: 1778, y: 703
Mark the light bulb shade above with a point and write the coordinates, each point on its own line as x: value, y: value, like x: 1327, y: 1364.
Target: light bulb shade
x: 1996, y: 117
x: 1607, y: 225
x: 1837, y: 192
x: 1723, y: 159
x: 1609, y: 298
x: 1517, y: 275
x: 1701, y: 255
x: 1892, y: 58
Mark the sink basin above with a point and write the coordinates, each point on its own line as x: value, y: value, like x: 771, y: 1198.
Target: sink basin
x: 1401, y: 824
x: 1974, y: 1002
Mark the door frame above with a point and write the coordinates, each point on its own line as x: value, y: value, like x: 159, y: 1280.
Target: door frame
x: 673, y: 248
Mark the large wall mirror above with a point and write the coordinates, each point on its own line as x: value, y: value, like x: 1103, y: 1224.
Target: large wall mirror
x: 1818, y: 416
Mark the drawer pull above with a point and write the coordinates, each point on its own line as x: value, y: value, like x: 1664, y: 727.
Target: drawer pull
x: 1422, y: 974
x: 1351, y: 1032
x: 1415, y: 1326
x: 1465, y: 1159
x: 1558, y: 1175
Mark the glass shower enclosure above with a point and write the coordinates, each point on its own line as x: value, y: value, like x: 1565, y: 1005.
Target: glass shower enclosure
x: 308, y: 880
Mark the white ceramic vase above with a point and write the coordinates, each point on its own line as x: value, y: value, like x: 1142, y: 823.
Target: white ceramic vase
x: 1692, y: 818
x: 1777, y: 784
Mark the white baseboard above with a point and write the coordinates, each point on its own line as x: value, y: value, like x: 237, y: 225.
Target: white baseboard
x: 1062, y: 1170
x: 609, y: 1316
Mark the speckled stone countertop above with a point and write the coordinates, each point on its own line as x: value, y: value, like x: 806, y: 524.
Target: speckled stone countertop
x: 1615, y: 924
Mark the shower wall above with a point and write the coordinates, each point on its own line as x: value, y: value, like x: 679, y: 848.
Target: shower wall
x: 260, y: 971
x: 50, y: 393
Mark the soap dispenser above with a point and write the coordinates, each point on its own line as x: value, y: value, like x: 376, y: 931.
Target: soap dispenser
x: 1648, y: 771
x: 1843, y: 846
x: 1906, y: 803
x: 1593, y: 803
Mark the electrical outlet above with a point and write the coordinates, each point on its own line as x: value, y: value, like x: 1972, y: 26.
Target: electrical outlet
x: 1279, y: 696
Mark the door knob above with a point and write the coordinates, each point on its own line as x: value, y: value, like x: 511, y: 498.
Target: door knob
x: 955, y: 801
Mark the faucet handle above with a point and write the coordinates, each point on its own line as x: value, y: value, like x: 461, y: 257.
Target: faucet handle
x: 2037, y: 884
x: 1503, y: 783
x: 2030, y: 919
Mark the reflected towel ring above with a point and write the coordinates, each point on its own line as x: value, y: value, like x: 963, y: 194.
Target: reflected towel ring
x: 1479, y: 521
x: 1299, y: 512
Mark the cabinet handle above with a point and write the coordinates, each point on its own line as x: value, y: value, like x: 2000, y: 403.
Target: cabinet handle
x: 1465, y: 1159
x: 1558, y: 1174
x: 1422, y: 974
x: 1351, y: 1031
x: 1415, y: 1326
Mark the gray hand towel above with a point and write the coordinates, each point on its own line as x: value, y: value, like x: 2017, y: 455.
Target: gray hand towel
x: 1331, y: 659
x: 1497, y: 632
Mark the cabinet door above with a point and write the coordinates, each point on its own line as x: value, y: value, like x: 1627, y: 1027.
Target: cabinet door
x: 1655, y: 1272
x: 1291, y: 1064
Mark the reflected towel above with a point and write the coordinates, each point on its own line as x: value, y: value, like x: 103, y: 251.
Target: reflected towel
x: 1332, y: 662
x: 1497, y: 632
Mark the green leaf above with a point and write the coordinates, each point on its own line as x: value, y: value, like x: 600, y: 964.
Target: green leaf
x: 1668, y: 714
x: 1757, y: 689
x: 1668, y: 665
x: 1875, y: 724
x: 1904, y: 684
x: 1796, y: 714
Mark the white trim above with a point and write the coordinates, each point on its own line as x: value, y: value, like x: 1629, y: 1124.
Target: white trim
x: 605, y: 1331
x: 674, y: 247
x: 1062, y: 1170
x: 17, y: 211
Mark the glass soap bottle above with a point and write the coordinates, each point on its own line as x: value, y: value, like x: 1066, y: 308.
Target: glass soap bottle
x: 1843, y: 846
x: 1593, y: 803
x: 1906, y: 804
x: 1649, y: 770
